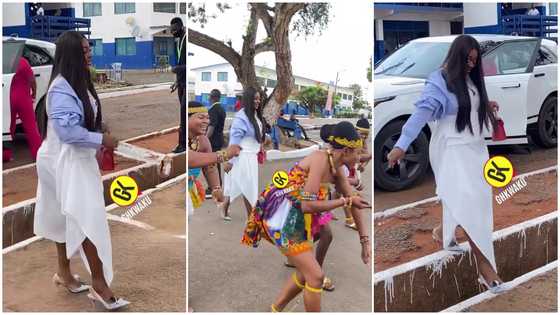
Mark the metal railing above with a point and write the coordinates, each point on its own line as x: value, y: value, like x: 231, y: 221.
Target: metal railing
x: 529, y: 25
x: 48, y: 28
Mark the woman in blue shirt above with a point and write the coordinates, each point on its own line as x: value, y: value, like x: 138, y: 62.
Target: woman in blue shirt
x: 455, y: 98
x: 242, y: 172
x: 70, y: 207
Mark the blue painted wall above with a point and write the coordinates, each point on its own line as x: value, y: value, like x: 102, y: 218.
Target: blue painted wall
x: 20, y: 30
x: 488, y: 29
x: 144, y: 58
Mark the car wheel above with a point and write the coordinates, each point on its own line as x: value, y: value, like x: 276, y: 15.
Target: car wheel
x: 546, y: 132
x: 411, y: 169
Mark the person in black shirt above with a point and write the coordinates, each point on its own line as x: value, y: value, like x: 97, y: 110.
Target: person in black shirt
x: 178, y: 31
x: 216, y: 127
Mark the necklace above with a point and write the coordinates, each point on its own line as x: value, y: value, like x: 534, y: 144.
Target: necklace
x: 333, y: 169
x: 193, y: 144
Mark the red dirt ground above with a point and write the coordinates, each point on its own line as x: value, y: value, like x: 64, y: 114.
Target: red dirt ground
x: 164, y: 143
x: 21, y: 184
x: 408, y: 235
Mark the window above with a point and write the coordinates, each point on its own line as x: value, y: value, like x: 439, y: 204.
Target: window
x: 270, y: 83
x: 553, y: 8
x: 164, y: 7
x: 207, y: 76
x: 183, y: 8
x: 92, y: 9
x: 222, y: 76
x: 125, y: 46
x: 125, y: 7
x: 509, y: 58
x: 349, y: 97
x: 545, y: 57
x: 36, y: 56
x: 97, y: 49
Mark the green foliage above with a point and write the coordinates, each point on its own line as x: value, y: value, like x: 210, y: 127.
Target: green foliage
x: 357, y: 99
x: 369, y: 70
x: 199, y: 13
x: 93, y: 73
x: 312, y: 19
x: 315, y: 98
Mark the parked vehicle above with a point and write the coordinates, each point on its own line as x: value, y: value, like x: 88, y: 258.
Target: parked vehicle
x: 40, y: 55
x: 520, y: 74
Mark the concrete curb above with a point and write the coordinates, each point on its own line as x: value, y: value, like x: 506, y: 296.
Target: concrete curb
x: 445, y: 278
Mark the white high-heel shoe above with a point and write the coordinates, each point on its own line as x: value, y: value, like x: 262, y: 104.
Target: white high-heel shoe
x: 115, y: 303
x: 495, y: 287
x: 59, y: 282
x: 453, y: 246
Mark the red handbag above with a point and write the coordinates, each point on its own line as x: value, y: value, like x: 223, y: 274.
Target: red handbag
x: 105, y: 159
x: 499, y: 132
x: 261, y: 156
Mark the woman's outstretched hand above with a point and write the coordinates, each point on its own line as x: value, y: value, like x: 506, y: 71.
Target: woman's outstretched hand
x: 233, y: 150
x: 360, y: 203
x: 109, y: 141
x: 395, y: 156
x: 366, y: 253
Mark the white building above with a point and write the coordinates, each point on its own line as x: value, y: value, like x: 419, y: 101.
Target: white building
x: 134, y: 34
x: 397, y: 23
x: 222, y: 77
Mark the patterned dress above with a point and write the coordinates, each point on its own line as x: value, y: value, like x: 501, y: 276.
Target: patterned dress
x: 278, y: 217
x: 196, y: 190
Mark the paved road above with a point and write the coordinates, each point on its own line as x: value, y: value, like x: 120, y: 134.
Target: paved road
x: 127, y: 116
x: 149, y: 266
x: 225, y: 276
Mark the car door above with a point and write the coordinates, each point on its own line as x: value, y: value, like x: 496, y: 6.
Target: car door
x: 11, y: 52
x: 542, y: 82
x: 511, y: 64
x: 41, y: 63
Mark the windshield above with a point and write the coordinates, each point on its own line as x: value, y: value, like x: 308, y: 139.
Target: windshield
x: 415, y: 59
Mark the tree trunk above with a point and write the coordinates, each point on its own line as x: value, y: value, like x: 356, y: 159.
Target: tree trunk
x: 283, y: 56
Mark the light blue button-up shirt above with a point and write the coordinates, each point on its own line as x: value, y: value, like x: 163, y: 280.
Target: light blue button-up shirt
x: 66, y: 113
x: 435, y: 102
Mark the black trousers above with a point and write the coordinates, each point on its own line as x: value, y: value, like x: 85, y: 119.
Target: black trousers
x: 183, y: 127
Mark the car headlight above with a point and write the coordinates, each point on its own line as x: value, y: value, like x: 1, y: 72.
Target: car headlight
x: 380, y: 100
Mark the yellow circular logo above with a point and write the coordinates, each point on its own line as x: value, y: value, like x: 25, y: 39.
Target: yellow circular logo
x: 280, y: 179
x: 124, y: 190
x: 498, y: 171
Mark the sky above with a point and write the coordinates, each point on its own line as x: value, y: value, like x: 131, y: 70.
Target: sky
x: 344, y: 47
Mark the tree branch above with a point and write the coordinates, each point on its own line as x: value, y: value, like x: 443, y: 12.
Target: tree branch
x: 262, y: 12
x: 215, y: 46
x: 264, y: 46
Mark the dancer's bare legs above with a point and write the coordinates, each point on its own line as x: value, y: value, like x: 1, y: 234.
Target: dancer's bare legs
x: 248, y: 206
x: 308, y: 273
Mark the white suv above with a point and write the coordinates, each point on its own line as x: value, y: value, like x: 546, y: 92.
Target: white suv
x: 40, y: 55
x: 520, y: 74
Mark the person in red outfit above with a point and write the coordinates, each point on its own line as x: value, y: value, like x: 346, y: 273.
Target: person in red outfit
x: 22, y: 95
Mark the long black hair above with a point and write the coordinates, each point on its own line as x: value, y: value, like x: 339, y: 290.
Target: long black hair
x: 248, y: 101
x: 69, y: 62
x: 455, y: 74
